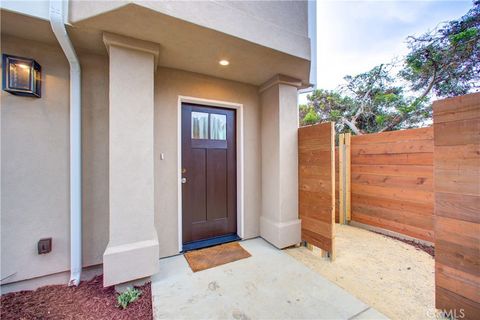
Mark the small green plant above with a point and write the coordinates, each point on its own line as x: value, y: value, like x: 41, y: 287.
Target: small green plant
x: 127, y: 297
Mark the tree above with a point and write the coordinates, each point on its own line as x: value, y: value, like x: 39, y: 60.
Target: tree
x: 369, y: 102
x: 441, y: 63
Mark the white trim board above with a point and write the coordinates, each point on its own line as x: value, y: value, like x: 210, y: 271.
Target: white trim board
x: 240, y: 158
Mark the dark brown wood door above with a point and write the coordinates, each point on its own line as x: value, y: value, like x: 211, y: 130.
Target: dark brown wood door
x: 209, y: 207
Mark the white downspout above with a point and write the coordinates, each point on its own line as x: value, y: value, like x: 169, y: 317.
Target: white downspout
x: 312, y: 34
x: 57, y: 21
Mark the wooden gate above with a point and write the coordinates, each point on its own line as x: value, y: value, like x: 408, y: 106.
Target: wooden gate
x: 316, y: 161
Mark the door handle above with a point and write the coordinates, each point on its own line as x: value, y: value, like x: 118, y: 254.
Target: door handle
x: 184, y: 180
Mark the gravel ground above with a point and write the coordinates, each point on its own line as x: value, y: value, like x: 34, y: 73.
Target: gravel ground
x: 428, y: 249
x: 394, y: 277
x: 87, y: 301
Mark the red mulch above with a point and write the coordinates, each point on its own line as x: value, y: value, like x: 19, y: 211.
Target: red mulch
x: 426, y: 248
x: 90, y: 300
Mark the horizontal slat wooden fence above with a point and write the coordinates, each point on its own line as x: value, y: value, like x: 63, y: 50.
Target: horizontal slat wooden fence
x: 393, y: 187
x: 392, y: 181
x: 457, y: 205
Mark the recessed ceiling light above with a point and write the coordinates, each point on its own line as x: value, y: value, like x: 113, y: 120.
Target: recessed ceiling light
x: 224, y: 62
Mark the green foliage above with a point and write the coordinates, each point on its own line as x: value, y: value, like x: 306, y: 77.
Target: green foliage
x: 464, y: 36
x: 311, y: 117
x: 386, y: 97
x: 127, y: 297
x: 446, y: 61
x: 368, y: 102
x: 441, y: 63
x: 380, y: 119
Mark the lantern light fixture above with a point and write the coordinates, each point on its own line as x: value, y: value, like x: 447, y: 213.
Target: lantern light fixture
x: 21, y: 76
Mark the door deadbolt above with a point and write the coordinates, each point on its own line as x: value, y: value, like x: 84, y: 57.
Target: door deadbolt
x: 184, y: 180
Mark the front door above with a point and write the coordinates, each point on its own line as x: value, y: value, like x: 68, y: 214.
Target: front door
x: 209, y: 207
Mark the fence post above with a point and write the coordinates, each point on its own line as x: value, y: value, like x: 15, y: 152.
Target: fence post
x: 348, y: 139
x: 344, y: 210
x: 341, y: 178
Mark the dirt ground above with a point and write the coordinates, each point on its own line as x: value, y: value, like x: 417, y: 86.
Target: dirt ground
x: 90, y: 300
x: 394, y: 277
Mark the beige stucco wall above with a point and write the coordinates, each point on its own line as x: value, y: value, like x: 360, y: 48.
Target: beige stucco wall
x: 132, y: 251
x: 169, y: 84
x: 95, y: 157
x: 35, y: 165
x: 34, y: 137
x: 291, y: 15
x: 279, y: 223
x: 35, y: 168
x: 286, y: 20
x: 131, y: 145
x: 270, y: 100
x: 288, y: 153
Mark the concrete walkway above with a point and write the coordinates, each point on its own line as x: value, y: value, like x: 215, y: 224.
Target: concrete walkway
x: 268, y: 285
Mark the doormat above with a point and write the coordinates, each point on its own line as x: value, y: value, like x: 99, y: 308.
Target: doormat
x: 215, y: 256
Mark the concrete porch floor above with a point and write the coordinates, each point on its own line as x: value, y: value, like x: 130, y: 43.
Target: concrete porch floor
x: 268, y: 285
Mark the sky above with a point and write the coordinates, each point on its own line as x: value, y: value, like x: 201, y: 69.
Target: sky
x: 355, y: 36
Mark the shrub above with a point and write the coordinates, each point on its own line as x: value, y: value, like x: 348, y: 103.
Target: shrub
x: 127, y: 297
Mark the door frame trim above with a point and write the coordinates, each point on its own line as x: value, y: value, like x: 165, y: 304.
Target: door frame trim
x: 240, y: 158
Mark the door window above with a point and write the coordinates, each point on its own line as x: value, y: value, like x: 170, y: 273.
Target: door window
x: 218, y: 127
x: 199, y: 125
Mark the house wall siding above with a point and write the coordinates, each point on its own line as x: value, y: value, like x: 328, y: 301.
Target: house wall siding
x: 35, y: 165
x: 95, y: 165
x: 35, y: 160
x: 34, y: 168
x: 287, y: 20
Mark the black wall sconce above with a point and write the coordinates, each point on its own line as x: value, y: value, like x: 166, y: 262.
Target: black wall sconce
x: 21, y: 76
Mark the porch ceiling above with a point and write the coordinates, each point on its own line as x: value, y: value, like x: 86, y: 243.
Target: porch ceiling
x: 184, y: 45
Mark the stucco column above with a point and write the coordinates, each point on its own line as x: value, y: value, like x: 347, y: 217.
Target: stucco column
x: 132, y: 251
x: 279, y: 223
